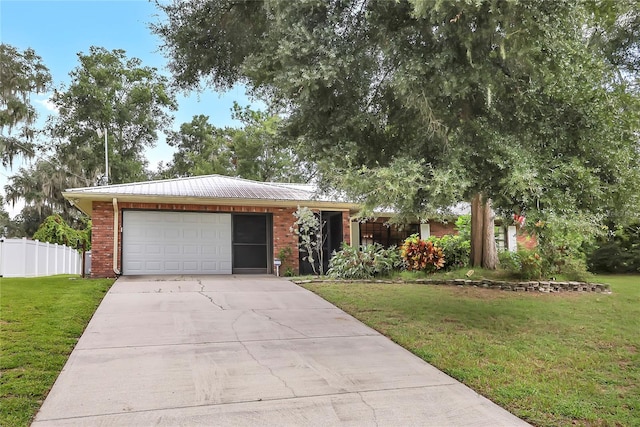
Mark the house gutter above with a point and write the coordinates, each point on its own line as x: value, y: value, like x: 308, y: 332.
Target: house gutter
x: 115, y: 237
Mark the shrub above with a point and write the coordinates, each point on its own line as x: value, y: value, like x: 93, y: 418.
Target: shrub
x: 421, y: 255
x: 575, y: 269
x: 509, y: 261
x: 524, y: 264
x: 55, y: 229
x: 463, y: 225
x: 530, y: 264
x: 285, y: 256
x: 455, y: 248
x: 363, y: 263
x: 564, y: 240
x: 618, y: 252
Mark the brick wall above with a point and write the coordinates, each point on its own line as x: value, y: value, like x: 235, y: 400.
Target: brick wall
x: 102, y: 234
x: 283, y: 237
x: 439, y: 229
x: 525, y: 240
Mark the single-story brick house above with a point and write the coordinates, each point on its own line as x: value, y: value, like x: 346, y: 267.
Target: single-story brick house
x: 216, y: 225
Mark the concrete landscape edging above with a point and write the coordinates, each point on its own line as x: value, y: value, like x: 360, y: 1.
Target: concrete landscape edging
x: 544, y: 286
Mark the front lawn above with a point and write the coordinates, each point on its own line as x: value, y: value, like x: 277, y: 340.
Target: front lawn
x: 551, y: 359
x: 41, y: 320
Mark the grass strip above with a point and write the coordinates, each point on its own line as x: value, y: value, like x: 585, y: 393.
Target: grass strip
x: 41, y: 320
x: 552, y: 359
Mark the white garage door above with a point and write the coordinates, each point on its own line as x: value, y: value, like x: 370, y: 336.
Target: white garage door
x: 156, y: 242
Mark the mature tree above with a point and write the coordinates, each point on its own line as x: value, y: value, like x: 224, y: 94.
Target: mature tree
x: 5, y: 220
x: 26, y: 223
x: 21, y: 74
x: 260, y: 152
x: 421, y: 104
x: 201, y: 149
x: 617, y: 34
x: 10, y: 228
x: 254, y: 151
x: 117, y: 95
x: 41, y: 185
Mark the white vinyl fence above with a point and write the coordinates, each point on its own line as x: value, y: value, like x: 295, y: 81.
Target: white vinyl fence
x: 31, y: 258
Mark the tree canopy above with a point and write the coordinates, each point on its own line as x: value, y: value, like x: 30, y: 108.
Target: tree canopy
x: 254, y: 151
x: 5, y: 221
x: 117, y: 95
x: 41, y: 185
x: 21, y: 74
x: 420, y: 104
x: 108, y: 92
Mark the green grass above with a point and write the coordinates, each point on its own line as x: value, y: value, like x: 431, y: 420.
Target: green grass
x: 551, y: 359
x: 460, y: 273
x: 41, y: 320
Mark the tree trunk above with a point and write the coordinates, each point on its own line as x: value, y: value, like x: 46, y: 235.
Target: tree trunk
x: 477, y: 222
x: 483, y: 246
x: 489, y: 250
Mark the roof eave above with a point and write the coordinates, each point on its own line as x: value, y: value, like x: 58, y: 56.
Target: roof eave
x: 84, y: 201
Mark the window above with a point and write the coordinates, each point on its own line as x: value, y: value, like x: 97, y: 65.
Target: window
x: 385, y: 234
x: 500, y: 237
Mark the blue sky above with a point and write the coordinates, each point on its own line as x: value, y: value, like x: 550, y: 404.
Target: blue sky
x: 59, y: 30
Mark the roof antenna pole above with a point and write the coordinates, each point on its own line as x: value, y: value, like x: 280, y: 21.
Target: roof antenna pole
x: 106, y: 155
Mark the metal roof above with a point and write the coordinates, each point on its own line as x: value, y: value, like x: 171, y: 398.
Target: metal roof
x: 208, y: 186
x: 226, y: 190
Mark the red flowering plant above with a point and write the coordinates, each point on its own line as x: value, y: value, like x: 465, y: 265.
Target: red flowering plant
x: 519, y: 219
x: 421, y: 255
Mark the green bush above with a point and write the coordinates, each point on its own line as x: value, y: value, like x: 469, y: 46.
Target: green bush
x: 55, y: 229
x: 285, y: 256
x: 530, y: 264
x: 574, y: 269
x: 363, y: 263
x: 564, y: 241
x: 456, y: 250
x: 509, y: 261
x: 618, y: 252
x: 463, y: 225
x: 524, y: 264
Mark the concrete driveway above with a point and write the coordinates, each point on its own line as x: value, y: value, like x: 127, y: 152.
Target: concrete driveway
x: 247, y: 350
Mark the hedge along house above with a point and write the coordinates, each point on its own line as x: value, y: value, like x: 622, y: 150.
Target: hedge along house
x: 201, y: 225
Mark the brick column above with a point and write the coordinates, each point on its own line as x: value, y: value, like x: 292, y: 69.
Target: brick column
x: 283, y: 237
x: 102, y: 240
x: 346, y: 227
